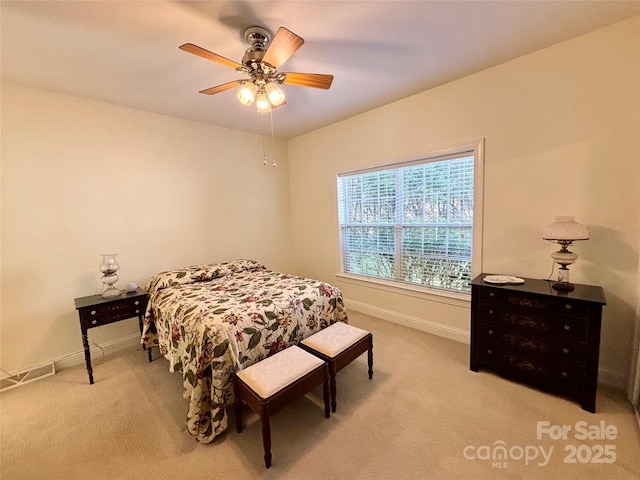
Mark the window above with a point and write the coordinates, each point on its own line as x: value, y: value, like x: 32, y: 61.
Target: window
x: 416, y: 222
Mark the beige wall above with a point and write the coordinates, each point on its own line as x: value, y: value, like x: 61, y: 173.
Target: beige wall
x: 82, y: 178
x: 562, y: 132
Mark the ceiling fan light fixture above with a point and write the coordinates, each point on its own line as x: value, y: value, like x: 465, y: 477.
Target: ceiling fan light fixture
x: 275, y: 94
x: 262, y: 102
x: 247, y: 93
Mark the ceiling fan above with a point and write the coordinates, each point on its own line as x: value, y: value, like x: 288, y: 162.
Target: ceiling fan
x: 261, y: 62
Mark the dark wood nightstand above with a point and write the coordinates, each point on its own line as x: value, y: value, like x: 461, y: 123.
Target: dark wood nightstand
x: 95, y: 311
x: 540, y: 336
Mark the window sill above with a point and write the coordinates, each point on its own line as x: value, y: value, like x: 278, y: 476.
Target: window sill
x: 462, y: 299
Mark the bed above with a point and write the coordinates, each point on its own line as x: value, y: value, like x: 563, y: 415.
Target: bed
x: 209, y: 321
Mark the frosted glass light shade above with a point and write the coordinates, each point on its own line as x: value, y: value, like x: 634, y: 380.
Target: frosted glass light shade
x: 275, y: 94
x: 565, y: 228
x: 247, y: 93
x: 262, y: 102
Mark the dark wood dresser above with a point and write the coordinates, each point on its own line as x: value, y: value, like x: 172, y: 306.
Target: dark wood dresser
x: 534, y: 334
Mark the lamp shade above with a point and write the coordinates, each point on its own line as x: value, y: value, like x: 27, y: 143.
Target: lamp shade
x: 565, y: 228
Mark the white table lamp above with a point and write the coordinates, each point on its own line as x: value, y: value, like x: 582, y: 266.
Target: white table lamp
x: 564, y: 231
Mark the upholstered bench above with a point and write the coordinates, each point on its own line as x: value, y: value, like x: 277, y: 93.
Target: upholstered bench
x: 338, y: 345
x: 270, y: 384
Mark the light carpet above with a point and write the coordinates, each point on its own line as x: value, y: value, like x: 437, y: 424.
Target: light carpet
x: 424, y: 415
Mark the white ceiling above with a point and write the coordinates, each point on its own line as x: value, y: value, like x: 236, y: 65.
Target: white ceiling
x: 126, y: 52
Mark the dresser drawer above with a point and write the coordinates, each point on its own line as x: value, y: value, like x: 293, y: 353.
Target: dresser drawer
x: 549, y: 305
x: 529, y: 367
x: 565, y: 328
x: 562, y: 351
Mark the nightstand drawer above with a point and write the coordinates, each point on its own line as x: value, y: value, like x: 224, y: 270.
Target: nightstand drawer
x: 535, y: 302
x: 562, y: 351
x: 114, y: 308
x: 96, y: 317
x: 112, y: 312
x: 528, y: 321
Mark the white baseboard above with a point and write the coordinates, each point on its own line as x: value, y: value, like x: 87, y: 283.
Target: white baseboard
x: 106, y: 348
x: 612, y: 378
x: 446, y: 331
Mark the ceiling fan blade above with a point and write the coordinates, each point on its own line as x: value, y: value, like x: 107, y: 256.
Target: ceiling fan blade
x: 315, y: 80
x: 283, y: 45
x: 201, y: 52
x: 221, y: 88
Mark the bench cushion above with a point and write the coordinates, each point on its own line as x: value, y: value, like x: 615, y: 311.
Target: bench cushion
x: 277, y: 371
x: 334, y: 339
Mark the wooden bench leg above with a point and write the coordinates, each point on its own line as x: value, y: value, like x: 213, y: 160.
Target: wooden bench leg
x: 266, y: 438
x: 325, y: 393
x: 332, y: 376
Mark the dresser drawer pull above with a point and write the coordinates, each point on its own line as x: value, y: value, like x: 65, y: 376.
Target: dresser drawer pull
x: 137, y: 302
x: 93, y: 322
x: 565, y: 374
x: 137, y: 312
x: 490, y: 332
x: 489, y: 351
x: 491, y: 294
x: 566, y: 351
x: 567, y: 327
x: 568, y: 306
x: 490, y: 311
x: 93, y: 312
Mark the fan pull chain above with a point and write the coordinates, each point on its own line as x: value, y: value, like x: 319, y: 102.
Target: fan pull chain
x: 273, y: 143
x: 264, y: 151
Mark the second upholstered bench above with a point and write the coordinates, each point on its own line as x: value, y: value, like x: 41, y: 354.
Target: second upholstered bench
x: 338, y: 345
x: 270, y: 384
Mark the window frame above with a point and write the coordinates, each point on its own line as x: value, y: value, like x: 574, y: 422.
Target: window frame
x: 473, y: 148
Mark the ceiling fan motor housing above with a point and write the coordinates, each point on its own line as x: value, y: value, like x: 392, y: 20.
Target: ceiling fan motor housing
x: 259, y: 39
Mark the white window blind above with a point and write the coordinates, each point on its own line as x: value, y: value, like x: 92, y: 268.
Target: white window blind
x: 410, y: 223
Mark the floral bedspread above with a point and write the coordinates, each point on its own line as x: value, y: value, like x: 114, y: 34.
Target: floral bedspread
x: 210, y: 321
